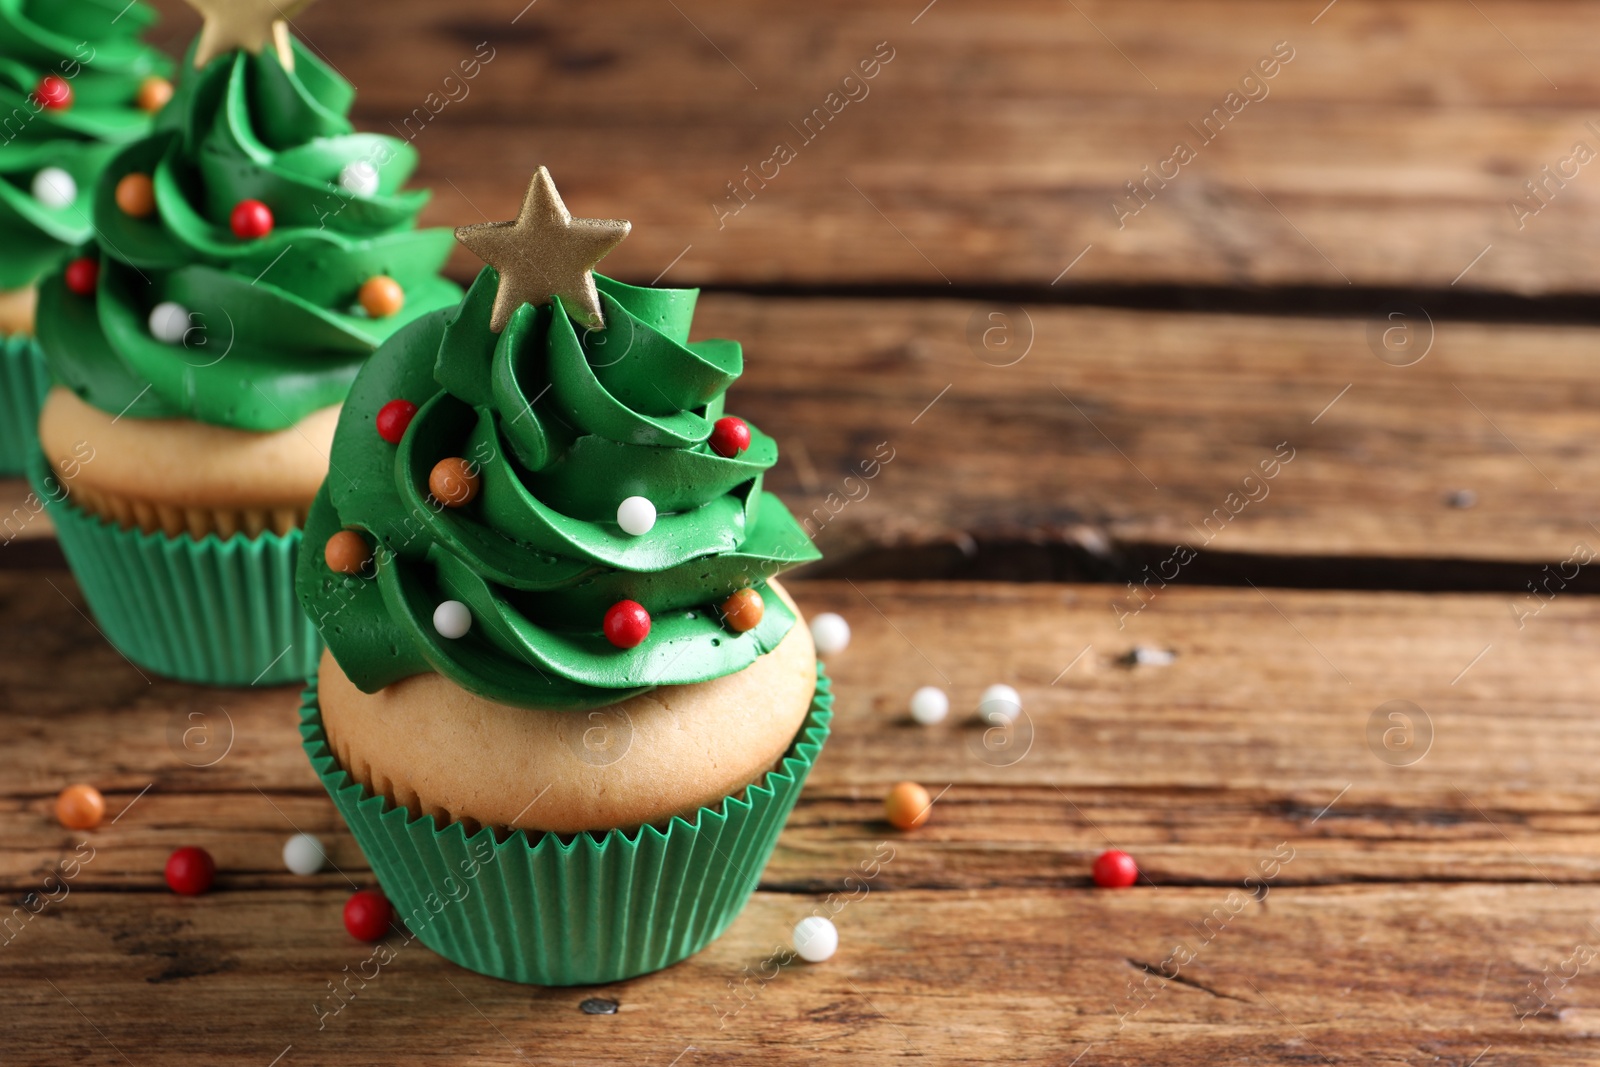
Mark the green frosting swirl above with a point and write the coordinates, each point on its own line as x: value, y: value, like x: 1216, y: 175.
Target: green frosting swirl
x: 94, y: 46
x: 277, y: 330
x: 562, y: 424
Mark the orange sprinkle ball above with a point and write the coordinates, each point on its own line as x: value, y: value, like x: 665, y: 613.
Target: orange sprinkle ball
x: 382, y: 296
x: 80, y: 807
x: 907, y: 806
x: 453, y: 482
x: 347, y: 553
x: 136, y: 195
x: 154, y: 92
x: 742, y: 611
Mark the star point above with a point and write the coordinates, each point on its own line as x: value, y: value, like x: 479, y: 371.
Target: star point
x: 545, y: 253
x: 248, y: 25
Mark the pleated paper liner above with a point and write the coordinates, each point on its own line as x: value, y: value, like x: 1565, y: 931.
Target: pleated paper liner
x: 597, y: 908
x: 24, y: 380
x: 219, y: 611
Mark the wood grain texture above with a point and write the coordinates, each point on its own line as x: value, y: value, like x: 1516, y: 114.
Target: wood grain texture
x: 1355, y: 974
x: 1357, y: 880
x: 1241, y: 776
x: 991, y: 149
x: 1137, y: 431
x: 1256, y: 734
x: 1123, y: 428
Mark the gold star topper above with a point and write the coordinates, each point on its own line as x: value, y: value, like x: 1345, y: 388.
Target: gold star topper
x: 545, y: 253
x: 249, y: 25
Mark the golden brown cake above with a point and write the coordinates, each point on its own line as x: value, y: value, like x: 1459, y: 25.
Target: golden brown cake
x: 183, y: 476
x: 434, y: 748
x: 17, y: 307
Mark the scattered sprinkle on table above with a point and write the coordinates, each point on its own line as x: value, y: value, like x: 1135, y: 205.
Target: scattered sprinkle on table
x: 815, y: 939
x: 303, y: 854
x: 999, y: 705
x: 907, y: 806
x: 367, y: 915
x: 1115, y: 869
x: 831, y: 633
x: 929, y: 705
x: 80, y: 807
x: 190, y: 871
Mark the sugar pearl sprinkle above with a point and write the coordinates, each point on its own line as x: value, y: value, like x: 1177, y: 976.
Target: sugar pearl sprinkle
x: 55, y: 188
x: 169, y: 322
x: 999, y: 705
x: 303, y: 854
x: 907, y: 806
x: 346, y: 553
x: 136, y: 195
x: 830, y: 632
x: 637, y: 516
x: 815, y: 939
x: 381, y: 297
x: 359, y: 178
x: 452, y: 619
x: 80, y: 807
x: 1115, y: 869
x: 929, y: 705
x: 454, y: 482
x: 742, y: 611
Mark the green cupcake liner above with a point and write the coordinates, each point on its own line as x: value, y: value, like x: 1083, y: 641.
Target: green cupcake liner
x: 220, y: 611
x: 24, y: 380
x: 598, y: 908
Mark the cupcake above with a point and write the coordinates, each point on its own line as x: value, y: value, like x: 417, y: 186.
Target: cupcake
x: 75, y: 85
x: 564, y: 707
x: 250, y: 254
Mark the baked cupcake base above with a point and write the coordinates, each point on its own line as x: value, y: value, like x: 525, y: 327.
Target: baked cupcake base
x: 592, y: 908
x: 219, y: 611
x: 435, y: 748
x: 186, y: 478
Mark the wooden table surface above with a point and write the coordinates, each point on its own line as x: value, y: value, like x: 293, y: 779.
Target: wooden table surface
x: 1350, y: 286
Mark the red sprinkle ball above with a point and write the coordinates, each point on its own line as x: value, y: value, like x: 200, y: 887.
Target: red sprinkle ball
x: 83, y: 275
x: 190, y: 871
x: 393, y: 418
x: 53, y: 92
x: 251, y: 219
x: 367, y: 915
x: 627, y: 623
x: 1114, y: 869
x: 729, y: 436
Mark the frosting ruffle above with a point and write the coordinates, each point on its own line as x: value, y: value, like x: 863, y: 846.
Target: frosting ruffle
x: 561, y: 424
x: 275, y: 327
x: 94, y: 46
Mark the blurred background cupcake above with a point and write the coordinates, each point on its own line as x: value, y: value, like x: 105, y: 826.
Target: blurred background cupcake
x: 76, y: 83
x: 249, y: 255
x: 560, y: 679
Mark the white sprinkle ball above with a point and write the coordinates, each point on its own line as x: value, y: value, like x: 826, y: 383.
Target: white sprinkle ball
x: 1148, y: 656
x: 999, y: 705
x: 55, y: 188
x: 815, y: 938
x: 303, y: 854
x: 636, y: 515
x: 359, y: 178
x: 929, y: 705
x: 830, y: 632
x: 452, y: 619
x: 169, y: 322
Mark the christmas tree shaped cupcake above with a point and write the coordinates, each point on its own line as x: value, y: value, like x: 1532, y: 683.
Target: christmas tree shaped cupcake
x: 76, y: 83
x: 543, y: 565
x: 249, y: 255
